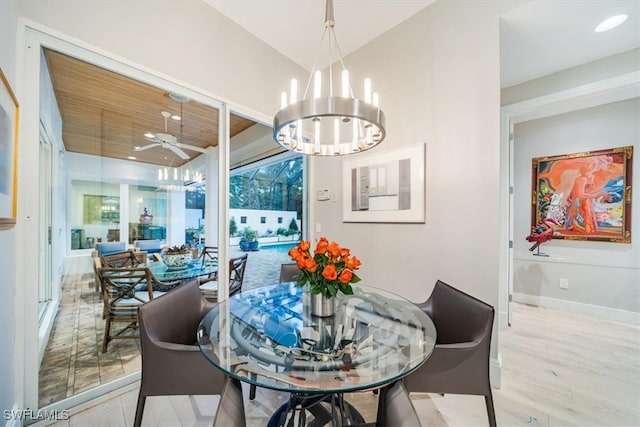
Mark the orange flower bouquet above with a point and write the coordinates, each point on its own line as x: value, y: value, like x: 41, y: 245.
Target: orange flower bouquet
x: 328, y: 270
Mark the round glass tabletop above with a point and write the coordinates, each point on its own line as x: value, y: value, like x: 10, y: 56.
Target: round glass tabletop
x: 195, y: 268
x: 268, y: 337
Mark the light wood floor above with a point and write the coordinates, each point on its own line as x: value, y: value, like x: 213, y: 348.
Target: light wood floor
x: 559, y: 369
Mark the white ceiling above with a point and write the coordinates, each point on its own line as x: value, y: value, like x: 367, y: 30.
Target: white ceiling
x: 542, y: 37
x: 538, y: 38
x: 294, y: 27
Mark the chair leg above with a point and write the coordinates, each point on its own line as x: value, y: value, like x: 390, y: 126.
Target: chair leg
x: 107, y: 331
x: 137, y: 422
x: 491, y: 413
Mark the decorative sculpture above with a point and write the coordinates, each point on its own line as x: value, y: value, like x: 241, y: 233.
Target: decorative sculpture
x: 541, y: 233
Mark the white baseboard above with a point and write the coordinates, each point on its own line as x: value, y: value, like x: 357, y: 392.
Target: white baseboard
x: 495, y: 371
x: 600, y: 312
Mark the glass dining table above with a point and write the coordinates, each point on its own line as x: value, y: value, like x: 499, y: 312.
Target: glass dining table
x: 268, y: 337
x: 195, y: 268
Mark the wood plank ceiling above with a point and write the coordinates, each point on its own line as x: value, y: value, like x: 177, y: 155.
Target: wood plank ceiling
x: 107, y: 114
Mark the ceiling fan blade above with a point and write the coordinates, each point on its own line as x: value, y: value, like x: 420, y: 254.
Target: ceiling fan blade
x: 191, y: 147
x: 146, y: 147
x: 179, y: 152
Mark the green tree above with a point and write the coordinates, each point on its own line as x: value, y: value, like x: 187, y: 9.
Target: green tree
x: 233, y: 227
x: 293, y: 226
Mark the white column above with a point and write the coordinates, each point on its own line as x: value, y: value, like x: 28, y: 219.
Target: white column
x: 176, y: 222
x: 211, y: 206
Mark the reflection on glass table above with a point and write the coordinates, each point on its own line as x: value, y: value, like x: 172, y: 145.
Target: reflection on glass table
x: 195, y: 268
x: 268, y: 337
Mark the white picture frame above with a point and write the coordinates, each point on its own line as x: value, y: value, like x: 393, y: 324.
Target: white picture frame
x: 385, y: 187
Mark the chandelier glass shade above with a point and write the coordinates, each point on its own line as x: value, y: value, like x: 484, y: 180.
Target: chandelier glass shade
x: 179, y: 179
x: 330, y: 122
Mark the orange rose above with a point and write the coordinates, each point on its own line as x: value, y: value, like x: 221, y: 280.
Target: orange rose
x: 321, y: 247
x: 353, y: 263
x: 310, y: 265
x: 301, y: 261
x: 346, y: 276
x: 294, y: 253
x: 304, y: 245
x: 344, y: 252
x: 330, y: 272
x: 334, y: 250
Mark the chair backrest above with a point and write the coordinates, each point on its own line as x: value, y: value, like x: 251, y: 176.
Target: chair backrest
x: 121, y: 259
x: 173, y: 318
x: 126, y: 286
x: 237, y: 267
x: 289, y: 272
x: 457, y: 316
x: 150, y: 246
x: 110, y: 248
x: 209, y: 255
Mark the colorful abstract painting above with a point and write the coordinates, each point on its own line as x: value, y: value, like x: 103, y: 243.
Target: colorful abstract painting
x: 587, y: 194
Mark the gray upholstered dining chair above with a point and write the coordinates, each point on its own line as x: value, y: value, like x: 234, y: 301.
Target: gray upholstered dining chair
x: 395, y: 408
x: 230, y: 411
x: 459, y: 363
x: 289, y: 272
x: 172, y: 363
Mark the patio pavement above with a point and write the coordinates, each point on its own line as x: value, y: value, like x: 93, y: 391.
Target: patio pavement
x: 263, y: 266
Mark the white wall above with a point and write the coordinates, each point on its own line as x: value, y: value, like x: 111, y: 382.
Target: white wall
x: 439, y: 82
x: 602, y: 69
x: 438, y: 78
x: 10, y: 369
x: 271, y: 219
x: 600, y: 274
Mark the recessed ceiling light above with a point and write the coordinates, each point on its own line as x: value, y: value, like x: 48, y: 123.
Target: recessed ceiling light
x: 176, y: 117
x: 149, y: 135
x: 610, y: 23
x: 131, y: 158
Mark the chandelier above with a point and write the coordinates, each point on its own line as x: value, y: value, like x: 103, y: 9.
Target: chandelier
x: 334, y: 122
x: 178, y: 178
x: 186, y: 175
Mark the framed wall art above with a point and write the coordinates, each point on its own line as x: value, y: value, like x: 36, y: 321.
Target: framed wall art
x: 385, y: 187
x: 586, y: 196
x: 9, y: 116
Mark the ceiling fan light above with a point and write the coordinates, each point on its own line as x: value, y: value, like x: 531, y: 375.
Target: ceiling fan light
x: 176, y: 117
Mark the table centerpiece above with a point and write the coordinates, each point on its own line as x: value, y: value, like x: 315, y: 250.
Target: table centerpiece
x: 329, y: 270
x: 176, y: 257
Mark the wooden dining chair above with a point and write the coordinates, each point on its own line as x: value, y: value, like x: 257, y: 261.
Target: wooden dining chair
x: 459, y: 363
x: 209, y: 255
x: 237, y: 268
x: 129, y: 258
x: 123, y: 291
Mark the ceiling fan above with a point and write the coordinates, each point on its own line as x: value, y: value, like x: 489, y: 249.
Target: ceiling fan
x: 166, y: 140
